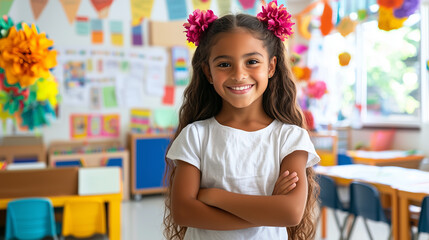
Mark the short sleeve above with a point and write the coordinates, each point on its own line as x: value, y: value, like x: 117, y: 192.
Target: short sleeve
x: 298, y: 139
x: 186, y: 147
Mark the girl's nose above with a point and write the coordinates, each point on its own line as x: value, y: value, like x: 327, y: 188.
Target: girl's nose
x: 240, y: 75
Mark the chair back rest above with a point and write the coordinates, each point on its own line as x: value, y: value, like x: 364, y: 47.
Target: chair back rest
x: 30, y: 218
x: 424, y: 216
x: 328, y: 193
x: 84, y: 218
x: 365, y: 201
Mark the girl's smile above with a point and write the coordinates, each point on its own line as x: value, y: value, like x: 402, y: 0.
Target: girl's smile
x: 241, y: 89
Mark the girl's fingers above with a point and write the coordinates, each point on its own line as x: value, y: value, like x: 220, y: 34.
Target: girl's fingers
x: 287, y: 186
x: 284, y: 182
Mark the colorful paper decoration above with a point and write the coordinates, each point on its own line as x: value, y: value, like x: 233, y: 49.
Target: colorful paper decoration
x: 5, y: 6
x: 140, y: 120
x: 316, y: 89
x: 140, y: 9
x: 344, y: 58
x: 427, y: 65
x: 224, y: 7
x: 387, y: 21
x: 362, y: 14
x: 390, y: 3
x: 37, y: 7
x: 407, y: 8
x: 346, y: 26
x: 5, y: 24
x: 300, y: 48
x: 201, y: 4
x: 82, y: 26
x: 177, y: 9
x: 94, y: 125
x: 247, y: 4
x: 102, y: 7
x: 303, y: 23
x: 137, y: 35
x: 326, y: 24
x: 168, y: 98
x: 70, y: 8
x: 302, y: 73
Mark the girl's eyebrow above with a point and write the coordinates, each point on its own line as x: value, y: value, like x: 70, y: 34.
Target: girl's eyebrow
x: 244, y: 56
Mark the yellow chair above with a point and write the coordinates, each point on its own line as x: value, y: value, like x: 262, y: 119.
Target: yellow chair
x: 84, y: 218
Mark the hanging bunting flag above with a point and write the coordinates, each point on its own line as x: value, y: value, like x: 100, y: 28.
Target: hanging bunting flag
x: 387, y: 21
x: 102, y: 7
x: 326, y: 24
x: 407, y: 8
x: 82, y: 26
x: 116, y: 34
x: 140, y: 9
x: 5, y: 6
x: 177, y: 9
x: 346, y: 26
x: 70, y: 8
x: 362, y: 14
x: 137, y: 35
x: 224, y: 7
x: 390, y: 3
x: 247, y: 4
x: 303, y: 24
x: 37, y: 6
x: 201, y: 4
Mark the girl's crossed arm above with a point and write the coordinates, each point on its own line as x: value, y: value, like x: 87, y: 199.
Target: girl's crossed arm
x: 276, y: 210
x: 188, y: 211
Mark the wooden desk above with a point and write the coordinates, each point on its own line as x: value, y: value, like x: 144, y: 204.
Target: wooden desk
x: 386, y: 179
x: 113, y: 209
x: 386, y: 158
x: 408, y: 195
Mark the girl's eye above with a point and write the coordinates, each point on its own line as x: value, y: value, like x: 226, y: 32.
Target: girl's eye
x: 224, y: 65
x: 253, y: 61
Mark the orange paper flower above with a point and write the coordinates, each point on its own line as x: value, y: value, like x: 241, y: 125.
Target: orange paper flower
x: 387, y: 21
x: 25, y: 55
x: 344, y: 58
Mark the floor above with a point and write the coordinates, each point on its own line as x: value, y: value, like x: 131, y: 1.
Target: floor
x: 142, y: 220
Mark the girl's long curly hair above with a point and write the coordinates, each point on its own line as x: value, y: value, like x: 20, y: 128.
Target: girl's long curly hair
x: 201, y: 102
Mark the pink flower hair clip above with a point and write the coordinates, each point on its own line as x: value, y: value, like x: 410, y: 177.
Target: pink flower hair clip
x: 277, y: 19
x: 198, y: 22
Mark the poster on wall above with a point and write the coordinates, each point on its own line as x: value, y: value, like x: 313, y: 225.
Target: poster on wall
x: 84, y: 126
x: 180, y: 63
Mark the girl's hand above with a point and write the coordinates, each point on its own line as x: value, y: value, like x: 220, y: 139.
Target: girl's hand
x: 285, y: 183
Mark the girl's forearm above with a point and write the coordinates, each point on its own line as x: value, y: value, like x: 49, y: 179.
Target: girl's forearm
x: 277, y: 210
x: 196, y: 214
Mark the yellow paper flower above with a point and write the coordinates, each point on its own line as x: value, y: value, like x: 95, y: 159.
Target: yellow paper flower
x: 25, y: 55
x: 387, y: 21
x: 47, y: 89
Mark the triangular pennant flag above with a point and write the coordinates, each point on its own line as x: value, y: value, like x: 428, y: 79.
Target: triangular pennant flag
x: 201, y: 4
x: 70, y: 8
x: 140, y: 9
x: 102, y: 7
x: 247, y: 4
x: 5, y: 6
x: 37, y: 6
x: 326, y: 24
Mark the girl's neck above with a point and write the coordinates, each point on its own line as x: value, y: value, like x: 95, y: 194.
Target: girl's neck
x: 245, y: 119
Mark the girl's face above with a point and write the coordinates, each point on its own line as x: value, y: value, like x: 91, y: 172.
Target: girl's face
x: 239, y: 67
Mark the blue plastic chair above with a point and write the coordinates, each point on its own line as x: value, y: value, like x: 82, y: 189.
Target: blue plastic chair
x: 423, y: 226
x: 329, y: 198
x: 365, y: 202
x: 30, y: 218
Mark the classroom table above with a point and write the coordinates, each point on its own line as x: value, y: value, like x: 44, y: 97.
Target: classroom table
x: 386, y: 179
x: 407, y: 195
x: 113, y: 209
x: 406, y: 159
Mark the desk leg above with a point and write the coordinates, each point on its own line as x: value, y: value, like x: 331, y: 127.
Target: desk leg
x: 115, y: 220
x: 323, y: 224
x: 395, y: 216
x: 404, y: 217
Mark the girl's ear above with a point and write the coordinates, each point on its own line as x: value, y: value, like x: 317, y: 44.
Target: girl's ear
x: 272, y: 66
x: 206, y: 71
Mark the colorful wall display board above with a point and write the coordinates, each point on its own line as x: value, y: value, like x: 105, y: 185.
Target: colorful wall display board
x: 94, y: 126
x: 180, y: 63
x: 140, y: 120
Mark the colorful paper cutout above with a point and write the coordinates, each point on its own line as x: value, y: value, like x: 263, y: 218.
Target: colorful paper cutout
x: 140, y: 9
x: 140, y: 120
x: 180, y: 63
x: 109, y: 97
x: 247, y: 4
x: 408, y: 7
x: 201, y: 4
x: 300, y: 48
x: 346, y: 26
x: 303, y: 24
x: 390, y: 3
x: 326, y: 24
x: 168, y: 98
x: 116, y: 35
x: 5, y: 7
x: 102, y: 7
x: 362, y: 14
x: 82, y: 26
x: 37, y: 7
x: 137, y: 35
x: 70, y: 8
x: 78, y: 126
x: 344, y: 58
x: 387, y: 21
x: 94, y: 125
x: 111, y: 125
x: 177, y: 9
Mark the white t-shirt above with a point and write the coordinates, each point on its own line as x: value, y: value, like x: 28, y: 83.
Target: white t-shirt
x: 240, y: 162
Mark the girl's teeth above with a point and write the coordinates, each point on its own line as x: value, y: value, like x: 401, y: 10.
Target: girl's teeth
x: 241, y: 88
